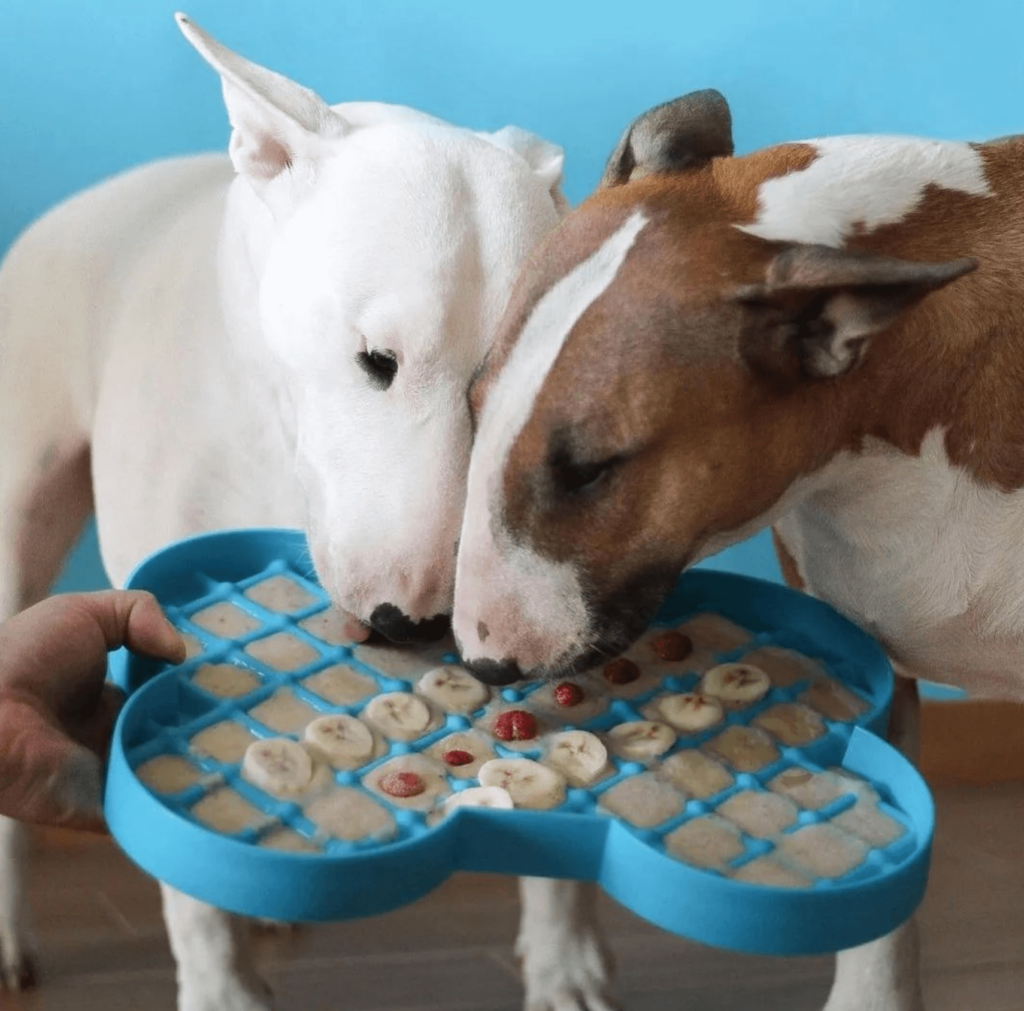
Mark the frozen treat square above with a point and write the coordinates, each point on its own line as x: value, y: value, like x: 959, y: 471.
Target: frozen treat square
x: 225, y: 742
x: 225, y: 811
x: 282, y: 651
x: 281, y: 594
x: 225, y: 620
x: 284, y: 712
x: 705, y: 842
x: 168, y: 773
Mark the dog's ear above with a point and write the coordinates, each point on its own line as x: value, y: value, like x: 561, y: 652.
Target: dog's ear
x: 546, y: 159
x: 817, y: 306
x: 682, y: 134
x: 276, y: 124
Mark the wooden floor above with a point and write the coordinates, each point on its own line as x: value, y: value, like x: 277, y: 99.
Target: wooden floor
x: 103, y: 947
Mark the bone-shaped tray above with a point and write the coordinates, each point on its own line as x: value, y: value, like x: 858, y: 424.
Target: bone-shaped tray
x: 848, y: 858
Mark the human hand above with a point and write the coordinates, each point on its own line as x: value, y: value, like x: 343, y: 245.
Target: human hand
x: 56, y: 711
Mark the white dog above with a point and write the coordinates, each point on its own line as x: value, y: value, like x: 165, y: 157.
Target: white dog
x: 283, y: 338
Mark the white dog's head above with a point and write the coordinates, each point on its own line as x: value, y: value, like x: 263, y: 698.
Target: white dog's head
x: 374, y: 249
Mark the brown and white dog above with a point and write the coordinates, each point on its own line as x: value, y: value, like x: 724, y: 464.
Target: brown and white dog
x: 825, y: 337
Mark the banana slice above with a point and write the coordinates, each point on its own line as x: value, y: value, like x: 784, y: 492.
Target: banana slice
x: 690, y: 711
x: 641, y: 740
x: 479, y: 796
x: 453, y: 689
x: 579, y: 756
x: 736, y: 684
x: 343, y: 740
x: 529, y: 783
x: 399, y: 715
x: 278, y: 765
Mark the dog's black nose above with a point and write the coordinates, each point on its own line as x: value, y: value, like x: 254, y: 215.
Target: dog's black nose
x: 495, y: 672
x: 398, y: 627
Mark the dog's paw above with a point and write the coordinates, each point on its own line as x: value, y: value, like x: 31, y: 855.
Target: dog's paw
x: 17, y: 963
x: 19, y: 974
x: 872, y: 1000
x: 573, y: 974
x: 230, y: 996
x: 876, y: 994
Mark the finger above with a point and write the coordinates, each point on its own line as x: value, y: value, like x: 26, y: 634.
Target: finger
x: 45, y: 777
x: 134, y: 618
x: 57, y: 650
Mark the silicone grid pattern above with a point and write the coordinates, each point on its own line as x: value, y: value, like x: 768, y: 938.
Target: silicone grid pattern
x: 199, y: 709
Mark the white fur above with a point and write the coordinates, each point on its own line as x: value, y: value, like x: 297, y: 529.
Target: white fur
x: 196, y: 322
x: 883, y: 975
x: 17, y: 946
x: 215, y: 969
x: 917, y: 552
x: 532, y: 603
x: 566, y: 966
x: 866, y: 181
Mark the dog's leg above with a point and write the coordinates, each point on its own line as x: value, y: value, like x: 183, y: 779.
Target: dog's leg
x: 885, y: 975
x: 566, y: 963
x: 17, y: 966
x: 45, y: 498
x: 215, y: 970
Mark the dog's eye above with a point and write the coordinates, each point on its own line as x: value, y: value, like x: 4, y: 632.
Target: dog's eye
x: 573, y: 477
x: 379, y: 366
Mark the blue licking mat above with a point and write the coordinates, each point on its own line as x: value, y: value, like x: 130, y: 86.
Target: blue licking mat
x: 787, y: 828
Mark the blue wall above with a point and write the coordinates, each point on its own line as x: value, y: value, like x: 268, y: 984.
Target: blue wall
x: 88, y: 89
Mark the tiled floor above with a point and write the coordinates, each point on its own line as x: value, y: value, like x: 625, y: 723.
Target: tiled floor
x: 103, y: 946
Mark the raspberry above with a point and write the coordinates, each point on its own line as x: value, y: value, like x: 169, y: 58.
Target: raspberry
x: 621, y: 671
x: 672, y: 646
x: 515, y: 725
x: 402, y: 784
x: 457, y: 757
x: 568, y: 694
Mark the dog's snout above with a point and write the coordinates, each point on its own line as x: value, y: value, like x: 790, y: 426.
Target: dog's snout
x: 495, y: 672
x: 395, y: 625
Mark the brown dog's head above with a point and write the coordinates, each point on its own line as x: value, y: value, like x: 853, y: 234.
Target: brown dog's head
x: 666, y: 372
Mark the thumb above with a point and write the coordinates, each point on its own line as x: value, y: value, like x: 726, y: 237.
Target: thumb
x: 133, y: 618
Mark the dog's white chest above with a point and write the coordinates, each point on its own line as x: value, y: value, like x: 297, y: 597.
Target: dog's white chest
x: 924, y: 558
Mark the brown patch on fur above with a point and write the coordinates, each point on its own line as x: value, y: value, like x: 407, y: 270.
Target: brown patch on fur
x: 787, y: 563
x: 724, y: 190
x: 966, y: 376
x: 547, y: 264
x: 658, y: 376
x: 739, y: 179
x: 666, y: 388
x: 955, y: 360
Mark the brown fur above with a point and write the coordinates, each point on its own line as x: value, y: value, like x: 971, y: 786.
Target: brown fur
x: 671, y: 361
